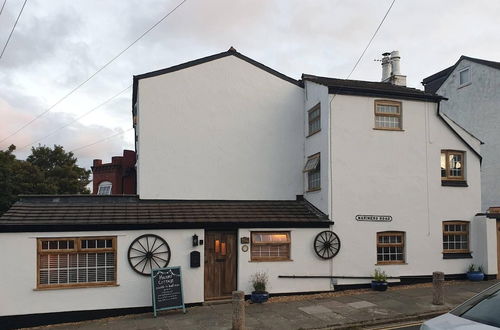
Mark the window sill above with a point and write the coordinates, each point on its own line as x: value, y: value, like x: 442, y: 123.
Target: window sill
x: 311, y: 134
x: 83, y: 286
x: 277, y: 260
x: 313, y: 190
x: 388, y: 129
x: 455, y: 255
x: 464, y: 85
x: 390, y: 263
x: 454, y: 183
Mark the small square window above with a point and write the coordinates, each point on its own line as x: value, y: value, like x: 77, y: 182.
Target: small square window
x: 464, y: 77
x: 390, y: 247
x: 452, y: 165
x: 104, y: 188
x: 455, y: 237
x: 388, y: 115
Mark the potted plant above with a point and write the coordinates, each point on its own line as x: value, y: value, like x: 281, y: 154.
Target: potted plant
x: 379, y: 282
x: 259, y: 282
x: 475, y: 273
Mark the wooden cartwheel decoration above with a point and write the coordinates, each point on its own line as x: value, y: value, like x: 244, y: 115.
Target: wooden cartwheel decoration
x: 148, y: 252
x: 326, y: 244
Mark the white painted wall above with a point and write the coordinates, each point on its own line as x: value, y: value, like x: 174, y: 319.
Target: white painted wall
x: 18, y: 275
x: 476, y: 107
x: 224, y: 129
x: 304, y: 262
x: 318, y: 142
x: 486, y: 246
x: 396, y: 173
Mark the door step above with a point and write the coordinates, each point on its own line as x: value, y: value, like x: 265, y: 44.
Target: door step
x: 217, y: 301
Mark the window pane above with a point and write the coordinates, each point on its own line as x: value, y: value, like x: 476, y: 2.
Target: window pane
x: 455, y: 163
x: 104, y: 188
x: 443, y: 165
x: 314, y: 179
x: 387, y: 122
x: 312, y: 164
x: 464, y: 76
x: 390, y: 248
x: 384, y: 108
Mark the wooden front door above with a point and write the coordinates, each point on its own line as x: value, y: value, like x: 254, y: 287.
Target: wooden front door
x: 220, y: 264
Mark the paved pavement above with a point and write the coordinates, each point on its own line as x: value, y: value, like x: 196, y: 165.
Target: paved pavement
x: 354, y: 309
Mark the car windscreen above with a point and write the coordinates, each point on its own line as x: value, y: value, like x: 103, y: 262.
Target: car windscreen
x: 486, y: 310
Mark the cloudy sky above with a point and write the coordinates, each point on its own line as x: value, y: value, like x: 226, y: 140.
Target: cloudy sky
x: 58, y: 44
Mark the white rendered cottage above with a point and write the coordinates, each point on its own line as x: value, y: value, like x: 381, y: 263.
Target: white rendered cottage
x: 265, y: 170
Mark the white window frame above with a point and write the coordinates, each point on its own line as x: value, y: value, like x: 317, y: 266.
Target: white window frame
x: 107, y: 188
x: 460, y: 84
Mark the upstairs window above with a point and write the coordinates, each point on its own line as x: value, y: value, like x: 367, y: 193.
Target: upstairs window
x: 452, y: 166
x: 388, y: 115
x: 464, y: 77
x: 314, y: 117
x: 104, y: 188
x: 312, y: 169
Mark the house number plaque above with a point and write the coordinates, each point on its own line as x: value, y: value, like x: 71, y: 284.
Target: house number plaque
x: 374, y: 218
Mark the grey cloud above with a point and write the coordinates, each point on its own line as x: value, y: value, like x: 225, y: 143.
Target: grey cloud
x: 61, y: 44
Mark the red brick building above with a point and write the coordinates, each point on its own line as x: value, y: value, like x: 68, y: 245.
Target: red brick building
x: 117, y: 177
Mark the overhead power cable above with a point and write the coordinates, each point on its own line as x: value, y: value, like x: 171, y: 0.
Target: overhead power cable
x: 102, y: 140
x: 13, y: 28
x: 371, y: 39
x: 95, y: 73
x: 3, y: 5
x: 76, y: 119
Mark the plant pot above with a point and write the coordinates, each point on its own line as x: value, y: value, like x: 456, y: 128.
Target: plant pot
x: 475, y: 276
x: 379, y: 286
x: 259, y: 297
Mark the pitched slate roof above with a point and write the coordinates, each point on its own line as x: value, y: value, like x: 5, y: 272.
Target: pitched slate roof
x: 371, y: 88
x: 95, y: 212
x: 433, y: 82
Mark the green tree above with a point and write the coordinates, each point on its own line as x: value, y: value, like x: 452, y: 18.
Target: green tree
x: 62, y: 175
x: 45, y: 171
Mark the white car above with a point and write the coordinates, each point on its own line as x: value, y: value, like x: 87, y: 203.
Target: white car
x: 479, y: 312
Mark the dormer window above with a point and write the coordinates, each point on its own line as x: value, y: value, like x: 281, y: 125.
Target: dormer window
x: 464, y: 77
x: 104, y: 188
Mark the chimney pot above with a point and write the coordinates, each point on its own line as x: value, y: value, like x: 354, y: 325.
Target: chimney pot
x: 386, y: 67
x: 395, y: 65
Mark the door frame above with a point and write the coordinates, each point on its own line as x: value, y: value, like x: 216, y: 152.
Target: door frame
x: 235, y: 231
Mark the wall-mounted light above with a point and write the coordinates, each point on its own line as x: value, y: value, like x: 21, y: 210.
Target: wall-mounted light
x: 195, y: 240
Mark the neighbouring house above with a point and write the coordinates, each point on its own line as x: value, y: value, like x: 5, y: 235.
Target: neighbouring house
x: 117, y: 177
x: 316, y: 182
x: 472, y: 89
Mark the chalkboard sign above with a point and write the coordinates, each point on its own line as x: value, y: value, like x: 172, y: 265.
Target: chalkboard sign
x: 167, y: 289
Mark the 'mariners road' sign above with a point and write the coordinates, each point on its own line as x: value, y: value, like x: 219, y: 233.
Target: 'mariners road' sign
x: 375, y: 218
